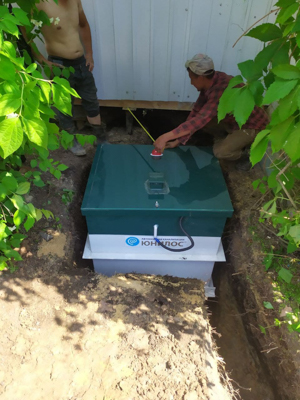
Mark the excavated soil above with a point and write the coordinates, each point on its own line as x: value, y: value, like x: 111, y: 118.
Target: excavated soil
x: 67, y: 333
x: 93, y: 337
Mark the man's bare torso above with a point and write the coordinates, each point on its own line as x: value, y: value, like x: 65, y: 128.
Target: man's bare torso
x: 63, y: 39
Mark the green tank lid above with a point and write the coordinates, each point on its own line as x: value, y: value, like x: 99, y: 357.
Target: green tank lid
x: 191, y: 177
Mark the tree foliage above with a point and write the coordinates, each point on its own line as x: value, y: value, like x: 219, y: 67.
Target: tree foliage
x: 273, y: 77
x: 26, y: 127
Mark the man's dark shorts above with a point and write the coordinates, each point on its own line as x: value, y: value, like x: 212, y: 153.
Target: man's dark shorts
x: 82, y: 81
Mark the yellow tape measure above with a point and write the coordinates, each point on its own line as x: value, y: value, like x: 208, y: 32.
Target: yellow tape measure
x: 141, y: 125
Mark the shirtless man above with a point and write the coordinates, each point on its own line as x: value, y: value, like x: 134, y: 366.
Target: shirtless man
x: 69, y: 43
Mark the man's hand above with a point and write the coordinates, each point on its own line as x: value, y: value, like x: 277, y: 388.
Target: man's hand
x: 163, y: 142
x: 89, y: 62
x: 172, y: 144
x: 160, y: 143
x: 169, y: 140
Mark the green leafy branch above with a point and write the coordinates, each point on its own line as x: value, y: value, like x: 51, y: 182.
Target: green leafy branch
x: 273, y: 77
x: 26, y: 130
x: 285, y: 270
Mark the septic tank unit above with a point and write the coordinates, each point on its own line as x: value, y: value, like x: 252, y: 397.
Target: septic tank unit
x: 156, y: 215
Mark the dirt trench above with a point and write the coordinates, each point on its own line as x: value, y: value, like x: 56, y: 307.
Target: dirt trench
x: 269, y: 364
x: 247, y: 370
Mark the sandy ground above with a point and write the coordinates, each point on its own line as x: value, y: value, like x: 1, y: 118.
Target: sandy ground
x: 119, y: 338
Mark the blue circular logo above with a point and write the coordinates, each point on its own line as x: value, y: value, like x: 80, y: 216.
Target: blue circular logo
x: 132, y: 241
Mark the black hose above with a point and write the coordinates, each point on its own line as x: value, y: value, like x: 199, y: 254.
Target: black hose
x: 178, y: 250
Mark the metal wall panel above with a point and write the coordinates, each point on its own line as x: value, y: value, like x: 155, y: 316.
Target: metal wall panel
x: 140, y: 47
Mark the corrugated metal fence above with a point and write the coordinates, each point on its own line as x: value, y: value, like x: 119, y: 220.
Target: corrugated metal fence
x: 140, y: 46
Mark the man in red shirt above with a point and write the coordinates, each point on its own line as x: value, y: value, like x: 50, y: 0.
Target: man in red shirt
x: 229, y: 140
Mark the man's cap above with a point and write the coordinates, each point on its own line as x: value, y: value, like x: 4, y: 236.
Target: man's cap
x: 200, y: 64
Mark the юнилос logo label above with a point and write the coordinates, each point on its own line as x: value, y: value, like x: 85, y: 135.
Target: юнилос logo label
x: 132, y: 241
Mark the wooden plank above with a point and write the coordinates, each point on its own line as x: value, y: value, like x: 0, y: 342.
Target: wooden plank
x: 153, y: 105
